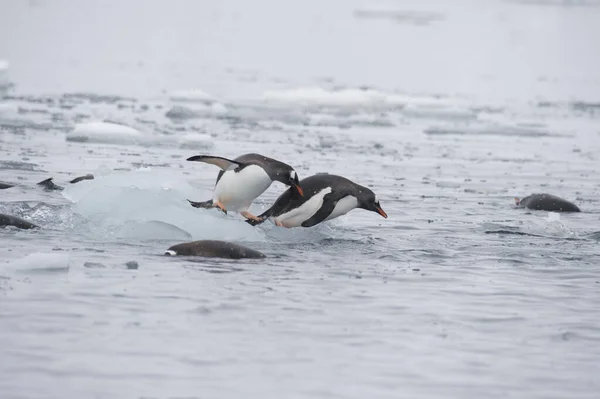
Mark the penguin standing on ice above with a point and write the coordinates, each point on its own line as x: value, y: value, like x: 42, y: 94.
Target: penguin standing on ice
x: 325, y: 197
x: 243, y: 179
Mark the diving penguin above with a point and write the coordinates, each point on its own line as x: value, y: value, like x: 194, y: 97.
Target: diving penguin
x: 243, y: 179
x: 325, y: 197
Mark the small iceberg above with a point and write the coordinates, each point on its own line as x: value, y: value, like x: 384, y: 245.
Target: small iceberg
x: 148, y: 204
x: 38, y: 262
x: 104, y: 133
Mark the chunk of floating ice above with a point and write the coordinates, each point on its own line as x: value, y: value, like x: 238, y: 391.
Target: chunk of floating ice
x: 191, y: 95
x: 104, y: 133
x: 196, y: 111
x: 151, y: 205
x: 151, y: 230
x: 42, y: 262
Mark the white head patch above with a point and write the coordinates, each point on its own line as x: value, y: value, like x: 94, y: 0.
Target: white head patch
x: 376, y: 199
x: 293, y: 174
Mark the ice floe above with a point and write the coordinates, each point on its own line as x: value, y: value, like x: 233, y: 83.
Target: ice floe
x: 114, y: 133
x: 149, y: 204
x: 41, y: 262
x: 191, y: 111
x: 104, y: 133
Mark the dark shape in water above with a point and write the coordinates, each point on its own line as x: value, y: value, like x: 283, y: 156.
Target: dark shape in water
x: 49, y: 185
x: 8, y: 220
x: 546, y: 202
x: 80, y: 178
x: 214, y: 249
x: 4, y: 186
x: 132, y: 265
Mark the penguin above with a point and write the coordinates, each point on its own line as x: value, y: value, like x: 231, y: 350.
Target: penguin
x: 546, y: 202
x: 213, y: 249
x: 243, y: 179
x: 326, y: 197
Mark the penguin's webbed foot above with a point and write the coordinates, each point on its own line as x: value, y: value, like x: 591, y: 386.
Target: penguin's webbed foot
x: 220, y: 206
x: 250, y: 218
x: 208, y: 204
x: 253, y: 222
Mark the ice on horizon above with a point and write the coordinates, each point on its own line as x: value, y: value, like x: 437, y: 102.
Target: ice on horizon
x: 352, y: 97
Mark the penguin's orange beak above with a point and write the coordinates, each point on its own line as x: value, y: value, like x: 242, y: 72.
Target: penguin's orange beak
x: 298, y: 189
x: 381, y: 211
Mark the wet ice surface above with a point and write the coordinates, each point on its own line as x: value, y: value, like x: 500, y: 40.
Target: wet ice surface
x: 457, y: 294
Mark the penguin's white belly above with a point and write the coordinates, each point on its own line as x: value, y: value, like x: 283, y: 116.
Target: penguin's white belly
x: 297, y: 216
x: 236, y: 191
x: 343, y: 206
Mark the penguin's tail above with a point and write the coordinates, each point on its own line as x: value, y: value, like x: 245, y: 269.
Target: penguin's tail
x: 203, y: 204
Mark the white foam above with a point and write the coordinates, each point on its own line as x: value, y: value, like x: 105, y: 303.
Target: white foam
x: 42, y: 262
x: 553, y: 217
x: 191, y: 95
x: 148, y: 204
x: 104, y: 133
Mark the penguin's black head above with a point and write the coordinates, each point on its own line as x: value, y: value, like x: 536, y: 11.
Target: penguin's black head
x: 371, y: 203
x: 290, y: 178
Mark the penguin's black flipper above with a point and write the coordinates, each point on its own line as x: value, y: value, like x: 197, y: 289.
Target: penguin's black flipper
x: 223, y: 163
x: 325, y: 210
